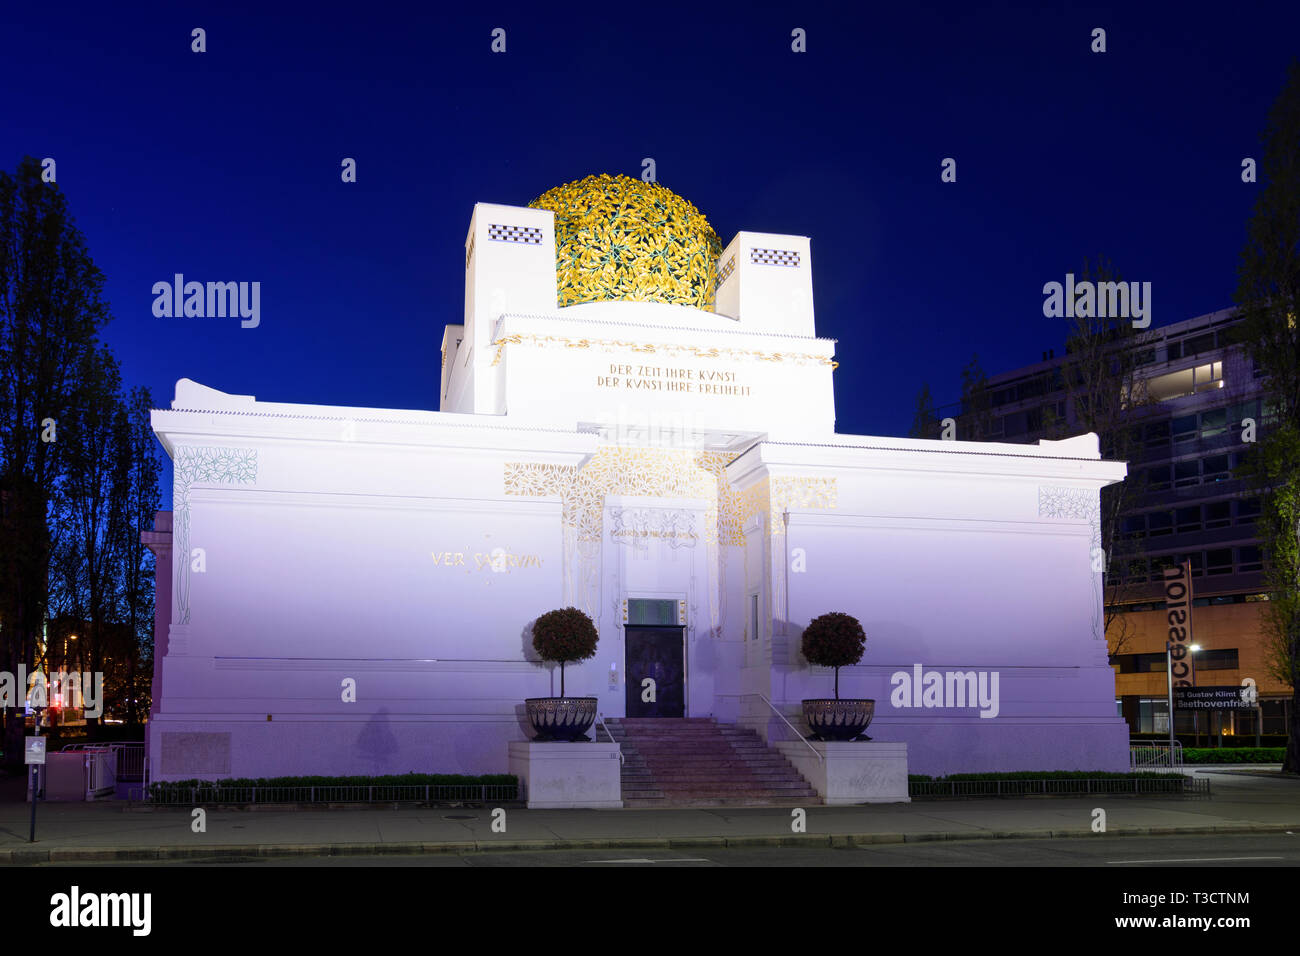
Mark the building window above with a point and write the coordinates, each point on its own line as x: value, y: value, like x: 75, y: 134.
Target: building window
x: 1240, y: 412
x: 1214, y: 422
x: 1187, y: 473
x: 1218, y: 561
x: 1275, y: 715
x: 1156, y: 435
x: 1157, y: 478
x: 642, y: 612
x: 1218, y: 514
x: 1247, y: 510
x: 1159, y: 523
x: 1184, y: 429
x: 1249, y: 559
x: 1187, y: 381
x: 1188, y: 519
x: 1217, y: 660
x: 753, y: 617
x: 1215, y: 468
x: 1153, y: 715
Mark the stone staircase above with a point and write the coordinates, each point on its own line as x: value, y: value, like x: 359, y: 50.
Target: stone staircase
x: 697, y: 762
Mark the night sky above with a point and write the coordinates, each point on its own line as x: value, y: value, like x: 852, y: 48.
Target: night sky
x: 225, y: 165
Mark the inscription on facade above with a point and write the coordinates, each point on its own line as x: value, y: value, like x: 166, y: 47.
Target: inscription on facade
x: 672, y: 378
x: 498, y: 559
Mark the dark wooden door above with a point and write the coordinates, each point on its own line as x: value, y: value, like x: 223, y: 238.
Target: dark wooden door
x: 656, y: 653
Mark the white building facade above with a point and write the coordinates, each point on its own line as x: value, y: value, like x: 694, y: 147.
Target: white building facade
x: 349, y: 590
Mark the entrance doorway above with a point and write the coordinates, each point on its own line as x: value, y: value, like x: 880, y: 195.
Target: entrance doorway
x: 656, y: 654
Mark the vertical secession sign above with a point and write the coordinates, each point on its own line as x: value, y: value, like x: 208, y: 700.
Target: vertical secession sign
x: 1178, y: 607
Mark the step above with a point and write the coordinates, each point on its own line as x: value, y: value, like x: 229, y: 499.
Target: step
x: 694, y: 761
x: 706, y: 773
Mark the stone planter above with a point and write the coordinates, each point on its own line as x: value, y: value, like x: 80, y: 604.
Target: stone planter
x: 844, y: 719
x: 561, y: 718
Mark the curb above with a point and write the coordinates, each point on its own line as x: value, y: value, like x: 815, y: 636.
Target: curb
x: 27, y: 856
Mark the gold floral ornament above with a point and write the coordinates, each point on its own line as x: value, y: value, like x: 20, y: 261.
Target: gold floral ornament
x: 617, y: 238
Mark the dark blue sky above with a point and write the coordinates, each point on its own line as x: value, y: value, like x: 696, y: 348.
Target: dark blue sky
x: 225, y: 165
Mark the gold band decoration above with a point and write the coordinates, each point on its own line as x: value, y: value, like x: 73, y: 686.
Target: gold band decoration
x: 671, y: 351
x: 617, y: 238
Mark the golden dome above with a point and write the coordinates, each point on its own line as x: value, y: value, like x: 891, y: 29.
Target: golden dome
x: 621, y: 238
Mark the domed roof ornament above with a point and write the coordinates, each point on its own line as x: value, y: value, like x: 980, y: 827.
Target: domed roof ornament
x: 618, y: 238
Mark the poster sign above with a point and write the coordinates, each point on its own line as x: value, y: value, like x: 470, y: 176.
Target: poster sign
x: 34, y: 752
x: 1228, y: 697
x: 1178, y: 608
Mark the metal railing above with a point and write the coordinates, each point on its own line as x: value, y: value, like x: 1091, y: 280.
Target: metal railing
x: 413, y: 793
x: 1174, y: 784
x: 600, y: 722
x: 128, y: 757
x: 772, y: 707
x: 1147, y: 754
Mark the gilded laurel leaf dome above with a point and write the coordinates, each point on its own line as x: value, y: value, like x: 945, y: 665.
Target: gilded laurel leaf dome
x: 621, y: 238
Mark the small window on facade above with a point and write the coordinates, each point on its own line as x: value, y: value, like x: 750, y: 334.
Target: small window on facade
x: 1242, y: 411
x: 1156, y: 434
x: 1184, y: 428
x: 1186, y: 473
x: 1158, y: 523
x: 1215, y: 468
x: 651, y: 613
x: 1136, y: 571
x: 1247, y: 510
x: 1218, y: 561
x: 1156, y: 479
x: 1249, y: 559
x: 753, y: 617
x: 1188, y: 519
x: 1218, y: 514
x: 1214, y: 422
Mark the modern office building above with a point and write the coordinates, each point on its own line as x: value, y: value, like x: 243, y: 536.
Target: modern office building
x: 1197, y: 401
x: 637, y: 421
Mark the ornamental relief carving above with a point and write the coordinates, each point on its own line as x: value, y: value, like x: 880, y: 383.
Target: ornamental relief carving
x: 636, y: 527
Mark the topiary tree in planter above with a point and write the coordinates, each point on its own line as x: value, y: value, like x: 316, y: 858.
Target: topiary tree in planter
x: 560, y: 636
x: 564, y: 635
x: 836, y: 640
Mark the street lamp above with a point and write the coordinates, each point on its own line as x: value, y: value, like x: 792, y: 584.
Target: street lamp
x: 1196, y: 714
x: 1169, y: 672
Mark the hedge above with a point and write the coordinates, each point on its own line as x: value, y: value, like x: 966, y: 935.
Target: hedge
x: 1233, y: 755
x: 395, y: 780
x: 1039, y: 775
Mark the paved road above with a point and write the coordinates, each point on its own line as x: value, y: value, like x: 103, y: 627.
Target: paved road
x: 1195, y: 852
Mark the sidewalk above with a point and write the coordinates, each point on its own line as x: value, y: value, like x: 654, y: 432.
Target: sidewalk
x: 69, y: 832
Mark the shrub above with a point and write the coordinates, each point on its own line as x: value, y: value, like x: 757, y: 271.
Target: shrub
x: 563, y: 635
x: 1233, y: 754
x: 834, y: 640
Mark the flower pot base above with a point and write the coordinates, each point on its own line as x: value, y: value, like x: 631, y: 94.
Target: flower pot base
x: 831, y: 719
x: 561, y: 719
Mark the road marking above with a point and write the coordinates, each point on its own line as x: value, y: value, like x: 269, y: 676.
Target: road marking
x: 1203, y: 859
x: 692, y: 859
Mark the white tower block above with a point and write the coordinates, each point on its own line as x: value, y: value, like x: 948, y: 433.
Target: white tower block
x: 509, y: 267
x: 767, y: 283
